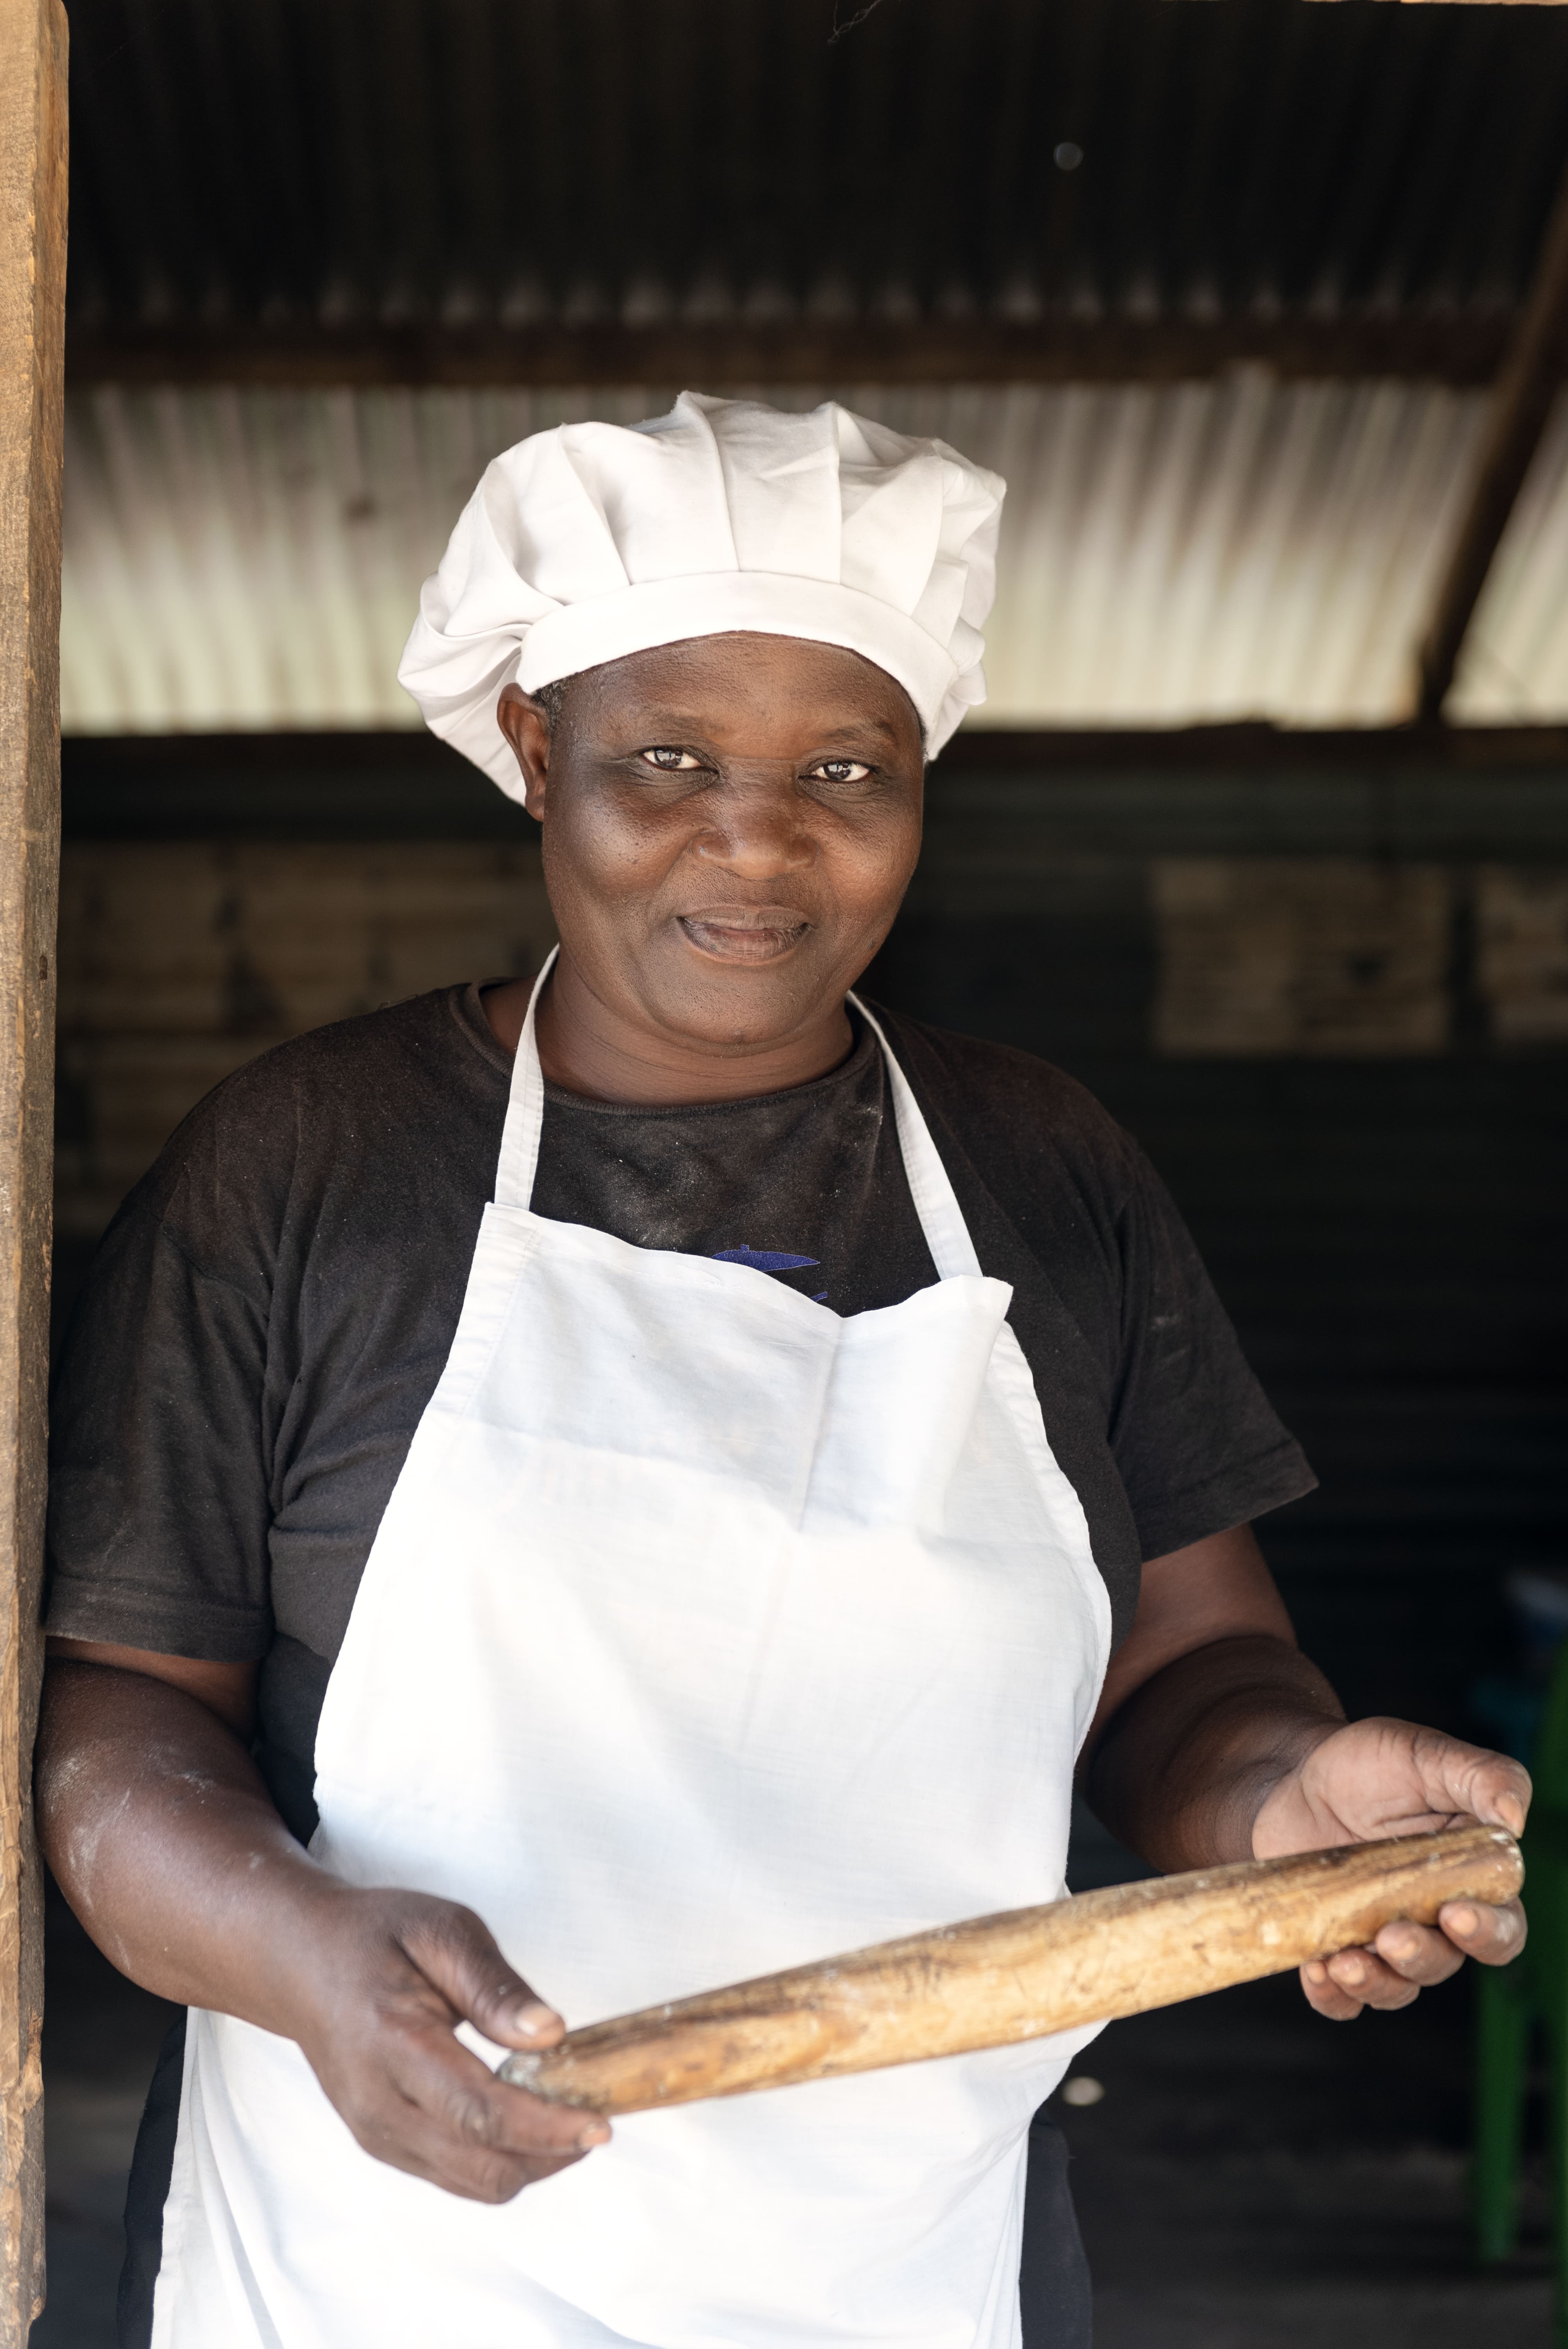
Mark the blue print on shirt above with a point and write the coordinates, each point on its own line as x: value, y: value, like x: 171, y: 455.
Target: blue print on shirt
x: 769, y: 1260
x: 762, y: 1260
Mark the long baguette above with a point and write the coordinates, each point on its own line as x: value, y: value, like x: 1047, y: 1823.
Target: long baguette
x: 992, y: 1981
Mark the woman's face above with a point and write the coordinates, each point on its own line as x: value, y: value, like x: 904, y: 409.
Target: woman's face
x: 729, y: 825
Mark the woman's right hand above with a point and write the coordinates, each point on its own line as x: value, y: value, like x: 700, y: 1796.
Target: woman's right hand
x: 167, y: 1845
x: 381, y: 1987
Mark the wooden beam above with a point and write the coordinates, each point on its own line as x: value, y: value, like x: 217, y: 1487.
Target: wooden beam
x: 32, y: 349
x: 1527, y: 387
x: 1460, y: 351
x: 403, y: 784
x: 1250, y: 746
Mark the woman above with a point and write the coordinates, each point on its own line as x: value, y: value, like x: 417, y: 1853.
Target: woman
x: 718, y: 1550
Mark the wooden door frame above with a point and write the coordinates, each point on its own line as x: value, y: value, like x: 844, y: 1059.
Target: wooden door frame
x: 33, y: 151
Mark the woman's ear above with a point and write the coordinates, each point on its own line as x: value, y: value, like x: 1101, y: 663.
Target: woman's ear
x: 526, y: 728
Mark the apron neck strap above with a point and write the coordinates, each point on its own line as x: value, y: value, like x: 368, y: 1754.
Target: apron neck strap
x: 935, y: 1202
x: 931, y: 1187
x: 525, y: 1107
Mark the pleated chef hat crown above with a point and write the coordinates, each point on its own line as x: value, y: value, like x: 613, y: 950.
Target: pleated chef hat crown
x: 592, y: 541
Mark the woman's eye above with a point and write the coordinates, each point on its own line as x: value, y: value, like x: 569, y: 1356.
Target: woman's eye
x: 670, y: 762
x: 842, y: 771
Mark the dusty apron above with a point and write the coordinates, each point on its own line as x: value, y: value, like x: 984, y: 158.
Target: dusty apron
x: 705, y: 1633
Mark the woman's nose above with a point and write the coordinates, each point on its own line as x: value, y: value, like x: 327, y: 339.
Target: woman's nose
x: 757, y: 827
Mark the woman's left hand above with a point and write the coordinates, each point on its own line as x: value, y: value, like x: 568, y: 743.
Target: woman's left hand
x: 1372, y: 1779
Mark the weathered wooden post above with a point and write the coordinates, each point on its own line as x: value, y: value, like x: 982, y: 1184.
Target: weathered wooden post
x: 32, y: 354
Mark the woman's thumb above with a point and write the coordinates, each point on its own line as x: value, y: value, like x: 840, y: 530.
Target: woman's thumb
x: 456, y: 1951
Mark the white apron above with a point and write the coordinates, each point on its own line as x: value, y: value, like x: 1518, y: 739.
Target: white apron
x: 705, y: 1633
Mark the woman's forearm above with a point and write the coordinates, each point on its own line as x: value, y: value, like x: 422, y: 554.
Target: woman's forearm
x: 1184, y: 1767
x: 167, y: 1845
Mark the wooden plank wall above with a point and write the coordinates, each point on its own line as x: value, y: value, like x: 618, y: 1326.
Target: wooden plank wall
x: 181, y: 959
x: 32, y: 341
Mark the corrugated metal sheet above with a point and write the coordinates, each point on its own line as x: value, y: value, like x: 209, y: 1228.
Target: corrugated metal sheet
x: 516, y: 160
x: 1170, y: 554
x: 1515, y: 656
x: 1173, y: 552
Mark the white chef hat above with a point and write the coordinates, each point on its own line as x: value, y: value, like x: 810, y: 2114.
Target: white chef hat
x: 592, y: 541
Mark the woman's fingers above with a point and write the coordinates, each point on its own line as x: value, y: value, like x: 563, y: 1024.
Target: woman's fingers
x: 407, y: 2137
x: 423, y: 2150
x: 1467, y: 1781
x: 1465, y: 1928
x: 400, y: 1969
x: 1340, y: 1987
x: 1327, y: 1996
x: 1376, y: 1778
x: 463, y: 2096
x: 1382, y: 1777
x: 1364, y: 1976
x: 415, y: 2096
x: 456, y: 1952
x: 475, y: 2134
x: 1418, y: 1953
x: 1407, y: 1957
x: 1493, y: 1935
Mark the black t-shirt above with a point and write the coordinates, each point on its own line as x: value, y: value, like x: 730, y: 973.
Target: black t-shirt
x: 272, y: 1307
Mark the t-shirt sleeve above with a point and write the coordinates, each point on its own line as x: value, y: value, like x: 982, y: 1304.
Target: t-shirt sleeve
x: 159, y: 1500
x: 1198, y: 1443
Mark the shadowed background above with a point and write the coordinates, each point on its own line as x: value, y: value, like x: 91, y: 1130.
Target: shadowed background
x: 1231, y: 293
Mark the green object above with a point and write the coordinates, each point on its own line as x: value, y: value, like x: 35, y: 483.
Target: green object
x: 1517, y: 2002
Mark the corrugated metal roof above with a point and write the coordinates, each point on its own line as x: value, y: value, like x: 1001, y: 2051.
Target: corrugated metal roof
x: 1170, y: 554
x: 520, y: 161
x: 1515, y: 657
x: 1173, y: 552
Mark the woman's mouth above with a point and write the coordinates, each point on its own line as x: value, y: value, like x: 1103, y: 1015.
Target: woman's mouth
x: 743, y: 933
